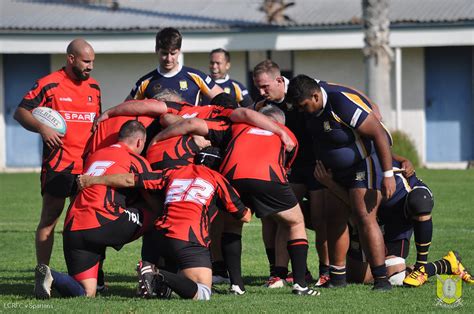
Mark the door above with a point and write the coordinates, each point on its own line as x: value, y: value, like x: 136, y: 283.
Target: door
x: 449, y: 104
x: 20, y: 72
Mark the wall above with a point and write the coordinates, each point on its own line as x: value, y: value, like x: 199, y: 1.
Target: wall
x: 3, y: 138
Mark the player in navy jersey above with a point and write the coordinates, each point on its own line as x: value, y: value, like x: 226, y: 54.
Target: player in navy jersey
x: 219, y: 66
x: 406, y: 213
x: 352, y: 142
x: 188, y: 82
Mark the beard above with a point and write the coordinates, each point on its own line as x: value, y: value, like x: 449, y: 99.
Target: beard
x: 81, y: 75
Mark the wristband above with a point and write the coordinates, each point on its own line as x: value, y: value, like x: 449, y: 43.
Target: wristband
x: 388, y: 174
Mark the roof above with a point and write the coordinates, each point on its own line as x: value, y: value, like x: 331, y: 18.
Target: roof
x: 225, y: 15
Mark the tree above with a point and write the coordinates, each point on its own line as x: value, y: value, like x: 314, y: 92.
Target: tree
x: 378, y: 55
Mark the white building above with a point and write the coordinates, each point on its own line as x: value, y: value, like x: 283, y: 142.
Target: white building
x: 433, y: 41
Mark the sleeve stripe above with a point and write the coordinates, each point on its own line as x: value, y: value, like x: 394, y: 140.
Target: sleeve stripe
x: 200, y: 82
x: 238, y: 92
x: 35, y: 102
x: 355, y: 117
x: 358, y: 101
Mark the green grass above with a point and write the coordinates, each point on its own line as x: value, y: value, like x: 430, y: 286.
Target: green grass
x: 19, y: 213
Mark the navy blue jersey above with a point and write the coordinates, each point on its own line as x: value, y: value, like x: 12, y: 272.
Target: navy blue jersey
x: 295, y: 122
x: 391, y: 213
x: 188, y: 82
x: 235, y: 89
x: 334, y: 133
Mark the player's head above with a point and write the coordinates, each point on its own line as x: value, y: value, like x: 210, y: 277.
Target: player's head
x: 419, y: 202
x: 219, y: 63
x: 168, y: 48
x: 209, y: 157
x: 133, y: 134
x: 305, y: 93
x: 224, y: 100
x: 167, y: 94
x: 274, y: 113
x: 268, y: 80
x: 80, y: 59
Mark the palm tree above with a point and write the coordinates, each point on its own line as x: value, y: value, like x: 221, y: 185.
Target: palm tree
x: 378, y: 55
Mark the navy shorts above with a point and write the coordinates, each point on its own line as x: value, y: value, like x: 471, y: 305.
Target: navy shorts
x: 366, y: 174
x: 305, y: 175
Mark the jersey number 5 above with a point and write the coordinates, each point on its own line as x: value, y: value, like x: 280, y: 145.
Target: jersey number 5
x: 98, y: 168
x: 189, y: 190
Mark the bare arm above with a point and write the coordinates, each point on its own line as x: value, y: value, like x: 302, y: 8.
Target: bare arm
x: 372, y: 129
x: 144, y: 107
x: 26, y: 119
x: 407, y: 167
x: 259, y: 120
x: 324, y: 176
x: 186, y: 126
x: 119, y: 180
x: 168, y: 119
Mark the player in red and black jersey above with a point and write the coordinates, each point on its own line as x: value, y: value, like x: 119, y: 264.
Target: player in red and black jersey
x: 260, y: 178
x: 76, y: 96
x: 102, y: 216
x: 183, y: 229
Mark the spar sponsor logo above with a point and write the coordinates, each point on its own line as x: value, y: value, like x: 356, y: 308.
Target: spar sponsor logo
x: 78, y: 116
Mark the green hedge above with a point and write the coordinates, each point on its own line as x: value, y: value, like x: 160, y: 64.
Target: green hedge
x: 403, y: 145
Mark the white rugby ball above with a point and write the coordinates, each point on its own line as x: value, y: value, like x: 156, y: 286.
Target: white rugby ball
x: 51, y: 118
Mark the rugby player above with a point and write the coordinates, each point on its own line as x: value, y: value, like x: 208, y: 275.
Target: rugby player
x: 188, y: 82
x: 219, y: 66
x: 101, y: 217
x: 352, y: 142
x: 76, y: 96
x: 183, y: 236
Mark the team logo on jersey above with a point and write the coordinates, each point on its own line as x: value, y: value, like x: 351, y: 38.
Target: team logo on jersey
x: 256, y: 131
x: 360, y: 176
x: 449, y: 290
x: 327, y: 126
x: 74, y: 116
x: 227, y: 90
x: 89, y: 98
x: 68, y: 99
x: 183, y: 85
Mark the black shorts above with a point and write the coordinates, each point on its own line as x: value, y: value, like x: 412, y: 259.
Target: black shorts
x: 84, y: 248
x: 265, y: 197
x: 305, y: 175
x: 183, y: 254
x: 399, y: 248
x: 58, y: 184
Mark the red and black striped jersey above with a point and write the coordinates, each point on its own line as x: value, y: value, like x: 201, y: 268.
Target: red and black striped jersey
x: 251, y: 152
x: 79, y: 103
x: 99, y: 204
x: 172, y: 152
x: 191, y: 192
x: 187, y: 111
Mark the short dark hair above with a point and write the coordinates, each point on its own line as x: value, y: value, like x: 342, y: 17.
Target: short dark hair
x: 168, y: 38
x: 130, y: 129
x: 225, y: 100
x: 221, y: 50
x: 267, y: 66
x: 300, y: 88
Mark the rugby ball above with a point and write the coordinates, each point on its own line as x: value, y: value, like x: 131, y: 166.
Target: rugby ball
x: 51, y: 118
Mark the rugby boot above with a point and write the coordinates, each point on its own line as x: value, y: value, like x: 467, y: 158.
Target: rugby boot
x: 416, y: 278
x: 43, y: 282
x: 298, y: 290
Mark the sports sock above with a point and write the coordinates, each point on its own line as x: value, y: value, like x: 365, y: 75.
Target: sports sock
x: 271, y: 259
x: 423, y: 231
x: 219, y: 269
x: 298, y: 251
x: 379, y: 272
x: 441, y: 266
x: 232, y: 253
x: 337, y: 274
x: 281, y: 272
x: 323, y: 269
x: 66, y: 285
x: 184, y: 287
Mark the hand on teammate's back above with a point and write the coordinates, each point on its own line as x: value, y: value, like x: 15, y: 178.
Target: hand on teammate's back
x: 388, y: 187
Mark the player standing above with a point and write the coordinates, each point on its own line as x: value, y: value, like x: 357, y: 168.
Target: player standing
x: 73, y: 93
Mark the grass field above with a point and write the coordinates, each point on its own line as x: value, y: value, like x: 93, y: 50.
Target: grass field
x: 19, y: 213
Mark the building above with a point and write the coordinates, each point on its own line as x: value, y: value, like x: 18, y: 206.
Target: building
x: 433, y: 68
